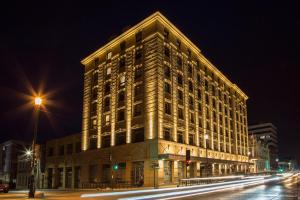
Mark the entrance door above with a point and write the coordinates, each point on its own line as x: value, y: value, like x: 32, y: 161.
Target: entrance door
x: 137, y: 173
x: 69, y: 177
x: 77, y: 177
x: 167, y: 171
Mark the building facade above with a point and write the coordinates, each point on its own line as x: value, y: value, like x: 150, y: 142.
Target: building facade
x: 149, y: 96
x: 9, y: 152
x: 268, y: 133
x: 258, y: 155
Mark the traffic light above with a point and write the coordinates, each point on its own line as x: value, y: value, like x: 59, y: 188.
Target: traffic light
x: 115, y: 167
x: 188, y: 157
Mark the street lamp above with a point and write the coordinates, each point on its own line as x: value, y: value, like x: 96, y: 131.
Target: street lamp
x: 37, y: 104
x: 206, y: 168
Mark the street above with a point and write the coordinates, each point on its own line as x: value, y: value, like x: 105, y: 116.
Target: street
x: 258, y: 188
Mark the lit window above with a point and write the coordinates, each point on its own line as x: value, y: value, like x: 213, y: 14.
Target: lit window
x: 109, y: 54
x: 107, y: 119
x: 108, y: 71
x: 122, y: 81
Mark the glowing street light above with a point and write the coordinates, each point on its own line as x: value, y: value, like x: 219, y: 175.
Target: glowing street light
x: 38, y: 101
x: 28, y: 153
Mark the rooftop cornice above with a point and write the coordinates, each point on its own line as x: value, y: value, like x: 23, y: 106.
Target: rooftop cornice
x: 157, y: 16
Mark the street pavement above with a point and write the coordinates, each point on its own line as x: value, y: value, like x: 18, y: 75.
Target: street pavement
x: 252, y: 189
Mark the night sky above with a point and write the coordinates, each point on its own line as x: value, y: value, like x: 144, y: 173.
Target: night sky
x: 256, y: 45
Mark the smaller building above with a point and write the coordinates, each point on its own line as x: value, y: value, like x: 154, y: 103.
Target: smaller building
x: 267, y: 132
x: 63, y: 162
x: 258, y: 155
x: 9, y: 152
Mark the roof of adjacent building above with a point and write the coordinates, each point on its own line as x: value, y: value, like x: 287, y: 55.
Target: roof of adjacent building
x: 157, y: 16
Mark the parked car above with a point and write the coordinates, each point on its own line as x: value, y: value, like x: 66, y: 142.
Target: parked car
x: 4, y: 187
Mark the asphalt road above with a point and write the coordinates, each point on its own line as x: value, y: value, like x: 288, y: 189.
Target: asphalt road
x: 285, y: 189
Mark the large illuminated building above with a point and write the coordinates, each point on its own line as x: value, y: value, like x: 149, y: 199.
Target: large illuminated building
x: 150, y: 95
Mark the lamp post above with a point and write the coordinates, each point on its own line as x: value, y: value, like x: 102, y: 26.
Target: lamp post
x: 206, y: 166
x: 37, y: 103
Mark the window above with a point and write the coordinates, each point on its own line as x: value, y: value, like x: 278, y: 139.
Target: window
x: 191, y: 102
x: 94, y: 108
x: 180, y: 113
x: 167, y: 134
x: 138, y: 110
x: 138, y: 90
x: 179, y: 79
x: 191, y: 88
x: 178, y: 43
x: 190, y: 69
x: 167, y: 88
x: 105, y: 141
x: 95, y: 79
x: 167, y: 72
x: 107, y: 119
x: 138, y: 135
x: 199, y: 94
x: 122, y: 65
x: 61, y: 150
x: 96, y: 62
x: 121, y: 115
x: 138, y: 55
x: 192, y: 119
x: 166, y: 34
x: 206, y: 85
x: 179, y: 61
x: 121, y: 138
x: 180, y: 138
x: 122, y: 81
x: 69, y: 148
x: 168, y: 108
x: 94, y: 123
x: 191, y: 139
x: 167, y: 52
x: 106, y: 104
x: 121, y: 96
x: 123, y: 46
x: 207, y: 99
x: 109, y: 55
x: 107, y: 88
x: 94, y: 93
x: 138, y: 37
x: 108, y: 71
x: 180, y: 95
x: 138, y: 73
x: 198, y: 78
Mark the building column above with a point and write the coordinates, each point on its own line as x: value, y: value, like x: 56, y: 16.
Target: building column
x: 160, y: 172
x: 175, y: 172
x: 198, y: 169
x: 220, y: 169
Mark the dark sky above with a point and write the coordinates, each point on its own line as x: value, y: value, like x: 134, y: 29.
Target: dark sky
x: 255, y: 44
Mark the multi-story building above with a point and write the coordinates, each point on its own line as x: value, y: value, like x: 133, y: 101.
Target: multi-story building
x: 9, y: 152
x: 258, y: 155
x: 63, y: 162
x: 150, y: 95
x: 268, y: 133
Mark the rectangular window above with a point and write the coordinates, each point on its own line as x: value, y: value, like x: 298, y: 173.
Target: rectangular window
x: 138, y: 73
x: 109, y: 55
x: 105, y: 141
x: 138, y: 110
x: 138, y: 55
x: 168, y: 88
x: 138, y: 37
x: 167, y: 134
x: 121, y: 115
x: 180, y: 138
x: 50, y: 151
x: 180, y: 79
x: 138, y: 135
x: 122, y: 65
x: 108, y: 71
x: 180, y: 95
x: 168, y: 108
x: 192, y: 119
x: 191, y: 139
x: 122, y: 81
x: 180, y: 113
x: 167, y: 72
x: 69, y: 148
x: 121, y: 138
x: 167, y: 52
x: 179, y: 61
x: 77, y: 147
x: 107, y: 120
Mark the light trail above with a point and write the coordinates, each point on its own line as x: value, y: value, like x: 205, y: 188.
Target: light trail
x: 167, y: 189
x: 181, y: 194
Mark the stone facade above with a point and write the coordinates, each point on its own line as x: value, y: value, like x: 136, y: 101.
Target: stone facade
x: 150, y: 95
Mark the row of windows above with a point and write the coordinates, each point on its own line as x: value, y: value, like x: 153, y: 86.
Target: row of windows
x: 65, y: 149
